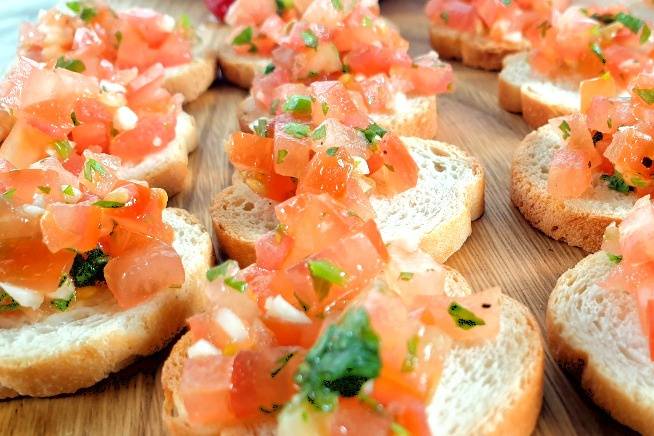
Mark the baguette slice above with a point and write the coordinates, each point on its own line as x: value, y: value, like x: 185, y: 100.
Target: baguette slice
x: 473, y: 50
x: 167, y: 169
x: 489, y: 389
x: 539, y: 98
x: 437, y: 213
x: 579, y: 222
x: 71, y: 350
x: 237, y: 68
x: 411, y: 116
x: 597, y: 335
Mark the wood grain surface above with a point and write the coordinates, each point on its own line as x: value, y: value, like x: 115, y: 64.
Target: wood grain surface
x: 503, y: 250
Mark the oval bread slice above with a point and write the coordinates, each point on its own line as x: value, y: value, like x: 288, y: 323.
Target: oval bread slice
x: 75, y: 349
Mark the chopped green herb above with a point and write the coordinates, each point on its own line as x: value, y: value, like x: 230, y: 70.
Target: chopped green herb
x: 74, y: 6
x: 244, y: 37
x: 645, y: 34
x: 185, y: 22
x: 88, y: 14
x: 74, y: 65
x: 373, y: 133
x: 464, y: 318
x: 609, y: 123
x: 629, y: 21
x: 616, y: 182
x: 346, y: 68
x: 411, y: 358
x: 310, y: 39
x: 68, y: 191
x: 106, y: 204
x: 647, y: 95
x: 45, y: 189
x: 62, y: 304
x: 281, y: 156
x: 345, y: 357
x: 337, y: 4
x: 564, y: 127
x: 406, y: 276
x: 399, y: 430
x: 597, y: 50
x: 273, y: 106
x: 297, y: 130
x: 261, y: 127
x: 238, y: 285
x: 638, y: 182
x: 331, y: 151
x: 298, y: 105
x: 7, y: 303
x: 445, y: 17
x: 319, y: 133
x: 324, y: 274
x: 63, y: 148
x: 92, y: 167
x: 366, y: 21
x: 281, y: 363
x: 88, y: 268
x: 506, y: 2
x: 269, y: 69
x: 325, y: 108
x: 9, y: 194
x: 221, y: 270
x: 283, y: 5
x: 73, y: 118
x: 614, y: 258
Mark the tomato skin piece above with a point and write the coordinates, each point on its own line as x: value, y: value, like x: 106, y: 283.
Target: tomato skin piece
x: 407, y: 410
x: 290, y: 154
x: 293, y: 334
x: 327, y: 173
x: 91, y: 135
x: 354, y: 418
x: 151, y: 134
x: 251, y: 152
x: 272, y: 249
x: 205, y: 389
x: 88, y: 110
x: 273, y: 186
x: 399, y: 171
x: 77, y: 226
x: 372, y: 60
x: 338, y: 104
x: 569, y: 175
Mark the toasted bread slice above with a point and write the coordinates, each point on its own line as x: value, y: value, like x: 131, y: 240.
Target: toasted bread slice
x: 436, y: 213
x: 411, y: 116
x: 473, y: 50
x: 71, y: 350
x: 579, y: 222
x: 596, y: 334
x: 191, y: 79
x: 168, y: 168
x: 539, y: 98
x: 239, y: 69
x: 489, y: 389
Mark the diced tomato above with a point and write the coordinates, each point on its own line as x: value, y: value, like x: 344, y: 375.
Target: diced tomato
x: 321, y: 61
x: 407, y: 410
x: 26, y: 183
x: 290, y: 153
x: 24, y: 145
x: 399, y: 172
x: 89, y: 110
x: 328, y: 171
x: 93, y: 135
x: 272, y: 249
x: 151, y: 134
x: 377, y: 92
x: 456, y: 14
x: 51, y: 117
x: 628, y: 148
x: 353, y: 417
x: 338, y: 104
x: 75, y: 226
x: 28, y: 263
x: 427, y: 75
x: 145, y: 267
x: 606, y: 115
x: 251, y: 152
x: 603, y: 86
x: 205, y: 388
x: 372, y: 60
x: 569, y: 176
x: 273, y: 186
x: 249, y: 12
x: 289, y: 333
x: 340, y: 135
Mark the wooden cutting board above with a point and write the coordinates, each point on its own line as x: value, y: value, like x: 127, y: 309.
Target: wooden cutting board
x: 503, y: 250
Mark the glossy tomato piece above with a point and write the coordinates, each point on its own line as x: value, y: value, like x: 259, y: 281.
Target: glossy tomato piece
x: 51, y: 117
x: 89, y: 110
x: 73, y: 226
x: 426, y: 76
x: 251, y: 152
x: 273, y: 186
x: 603, y: 86
x: 459, y: 15
x: 24, y: 145
x: 291, y: 153
x: 272, y: 249
x: 152, y: 134
x: 353, y: 417
x: 94, y: 135
x: 339, y: 135
x: 328, y: 172
x: 338, y: 104
x: 372, y: 60
x: 290, y: 333
x: 398, y: 171
x: 406, y: 409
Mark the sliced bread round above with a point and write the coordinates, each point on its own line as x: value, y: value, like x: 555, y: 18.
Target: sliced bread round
x: 579, y: 222
x: 489, y: 389
x: 67, y: 351
x: 237, y: 68
x: 437, y: 212
x: 597, y: 335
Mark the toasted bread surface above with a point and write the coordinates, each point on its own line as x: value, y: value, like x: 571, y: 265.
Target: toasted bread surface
x: 238, y: 68
x: 489, y: 389
x: 67, y: 351
x: 596, y: 334
x: 191, y: 79
x: 579, y: 222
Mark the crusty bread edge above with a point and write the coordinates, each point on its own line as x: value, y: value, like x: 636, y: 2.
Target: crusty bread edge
x: 603, y: 391
x: 191, y: 79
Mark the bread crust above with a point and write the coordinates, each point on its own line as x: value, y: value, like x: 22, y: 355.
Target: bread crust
x: 535, y: 111
x: 191, y: 79
x: 77, y: 364
x: 237, y: 68
x: 604, y: 391
x: 475, y: 51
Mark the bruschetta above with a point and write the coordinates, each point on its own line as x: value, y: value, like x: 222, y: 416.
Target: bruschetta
x: 481, y: 33
x: 574, y: 176
x: 100, y: 42
x: 570, y: 55
x: 60, y: 112
x: 423, y: 190
x: 94, y: 272
x: 334, y: 331
x: 599, y: 321
x: 350, y: 42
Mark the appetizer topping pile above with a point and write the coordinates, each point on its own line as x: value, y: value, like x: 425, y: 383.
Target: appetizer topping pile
x: 628, y: 246
x: 611, y: 140
x: 330, y: 330
x: 586, y: 42
x: 343, y: 40
x: 61, y: 113
x: 99, y: 42
x: 319, y: 140
x: 64, y: 235
x: 508, y: 21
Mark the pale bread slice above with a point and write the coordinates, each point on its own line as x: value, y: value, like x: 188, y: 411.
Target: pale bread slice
x: 490, y: 389
x: 167, y: 169
x: 191, y: 79
x: 238, y: 68
x: 71, y: 350
x: 539, y: 98
x: 579, y: 222
x: 436, y: 214
x: 410, y: 116
x: 596, y: 334
x: 475, y: 51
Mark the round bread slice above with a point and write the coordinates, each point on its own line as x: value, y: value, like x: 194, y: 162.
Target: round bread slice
x: 489, y: 389
x: 437, y: 212
x: 475, y: 51
x: 70, y: 350
x: 597, y: 335
x: 539, y: 98
x: 168, y: 168
x: 579, y: 222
